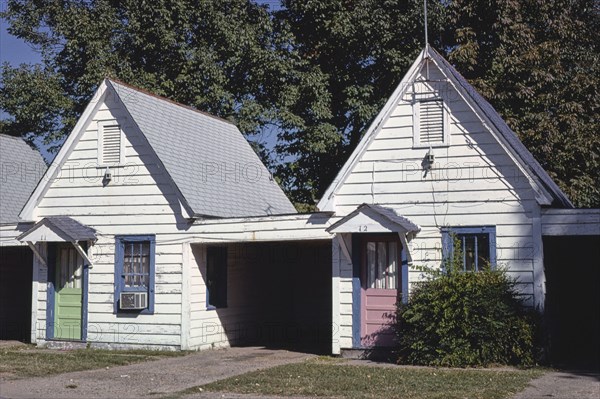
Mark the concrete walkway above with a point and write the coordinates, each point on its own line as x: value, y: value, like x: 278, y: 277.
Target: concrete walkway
x: 168, y: 376
x: 563, y: 385
x: 150, y: 379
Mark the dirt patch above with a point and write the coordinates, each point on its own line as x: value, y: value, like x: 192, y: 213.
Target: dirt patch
x: 11, y: 344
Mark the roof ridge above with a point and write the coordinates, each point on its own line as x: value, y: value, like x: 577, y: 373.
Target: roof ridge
x: 163, y: 98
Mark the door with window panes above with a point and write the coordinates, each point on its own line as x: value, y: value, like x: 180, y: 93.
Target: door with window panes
x: 381, y: 283
x: 68, y: 293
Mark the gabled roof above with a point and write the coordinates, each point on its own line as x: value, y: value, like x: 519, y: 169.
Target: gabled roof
x: 390, y: 219
x: 483, y: 108
x: 63, y: 227
x: 213, y: 167
x: 507, y: 133
x: 21, y: 169
x: 210, y: 161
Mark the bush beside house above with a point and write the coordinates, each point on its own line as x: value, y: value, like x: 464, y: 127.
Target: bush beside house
x: 457, y: 319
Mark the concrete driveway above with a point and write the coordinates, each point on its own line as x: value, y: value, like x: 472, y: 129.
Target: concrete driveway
x: 150, y: 379
x: 563, y: 385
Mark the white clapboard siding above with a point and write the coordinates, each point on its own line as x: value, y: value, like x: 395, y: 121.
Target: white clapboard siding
x: 9, y: 234
x: 141, y: 200
x: 219, y: 327
x: 139, y: 196
x: 570, y: 222
x: 474, y: 182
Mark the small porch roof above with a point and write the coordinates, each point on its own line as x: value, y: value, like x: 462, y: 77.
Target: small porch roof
x: 374, y: 218
x: 58, y: 229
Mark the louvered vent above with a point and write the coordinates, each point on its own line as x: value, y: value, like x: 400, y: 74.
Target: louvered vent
x: 111, y: 144
x: 431, y: 121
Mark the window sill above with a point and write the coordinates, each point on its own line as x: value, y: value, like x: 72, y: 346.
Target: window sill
x: 133, y: 312
x: 430, y: 145
x: 111, y: 166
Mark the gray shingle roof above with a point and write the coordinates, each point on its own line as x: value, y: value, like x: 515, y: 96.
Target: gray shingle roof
x: 21, y: 168
x: 508, y: 134
x: 66, y: 227
x: 210, y: 161
x: 388, y: 213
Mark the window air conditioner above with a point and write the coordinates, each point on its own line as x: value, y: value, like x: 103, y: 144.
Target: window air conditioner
x: 133, y: 300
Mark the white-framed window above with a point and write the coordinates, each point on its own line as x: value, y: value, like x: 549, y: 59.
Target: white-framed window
x: 111, y: 146
x: 430, y: 123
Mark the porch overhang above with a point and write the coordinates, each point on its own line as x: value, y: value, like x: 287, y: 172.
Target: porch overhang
x: 59, y: 229
x: 373, y: 218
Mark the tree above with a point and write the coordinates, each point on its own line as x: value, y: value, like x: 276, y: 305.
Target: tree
x: 538, y: 63
x: 316, y: 72
x: 33, y: 97
x: 356, y: 52
x: 224, y: 57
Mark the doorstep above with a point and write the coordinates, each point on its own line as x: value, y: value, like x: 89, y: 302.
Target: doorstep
x: 59, y: 344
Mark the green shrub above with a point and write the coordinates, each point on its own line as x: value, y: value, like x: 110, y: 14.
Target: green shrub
x: 456, y: 318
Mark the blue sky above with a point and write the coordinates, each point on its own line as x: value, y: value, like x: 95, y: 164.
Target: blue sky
x: 14, y: 50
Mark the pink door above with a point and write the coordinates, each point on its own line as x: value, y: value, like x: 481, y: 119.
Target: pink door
x: 380, y: 284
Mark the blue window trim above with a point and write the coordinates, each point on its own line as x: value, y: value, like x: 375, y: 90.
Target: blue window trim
x: 448, y: 247
x: 84, y: 305
x: 119, y: 281
x: 51, y: 259
x: 223, y: 276
x: 356, y: 291
x: 404, y: 287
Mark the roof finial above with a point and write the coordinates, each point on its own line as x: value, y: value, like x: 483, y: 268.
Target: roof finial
x: 425, y: 12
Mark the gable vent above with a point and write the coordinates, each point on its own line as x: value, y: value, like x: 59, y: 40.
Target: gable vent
x: 431, y: 121
x: 111, y: 145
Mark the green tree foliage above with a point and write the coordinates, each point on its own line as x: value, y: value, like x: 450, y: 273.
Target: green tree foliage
x: 316, y: 72
x: 357, y: 52
x: 223, y: 57
x: 538, y: 63
x: 460, y: 319
x: 35, y: 102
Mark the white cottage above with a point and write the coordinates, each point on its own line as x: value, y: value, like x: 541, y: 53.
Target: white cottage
x: 158, y: 226
x: 439, y: 161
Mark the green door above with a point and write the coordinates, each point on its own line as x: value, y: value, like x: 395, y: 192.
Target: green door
x: 68, y: 295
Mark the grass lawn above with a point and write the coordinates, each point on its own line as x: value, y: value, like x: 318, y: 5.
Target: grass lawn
x: 28, y: 361
x: 319, y: 378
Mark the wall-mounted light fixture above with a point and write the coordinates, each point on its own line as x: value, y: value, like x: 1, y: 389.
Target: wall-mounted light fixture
x: 107, y: 176
x: 430, y: 158
x: 428, y: 161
